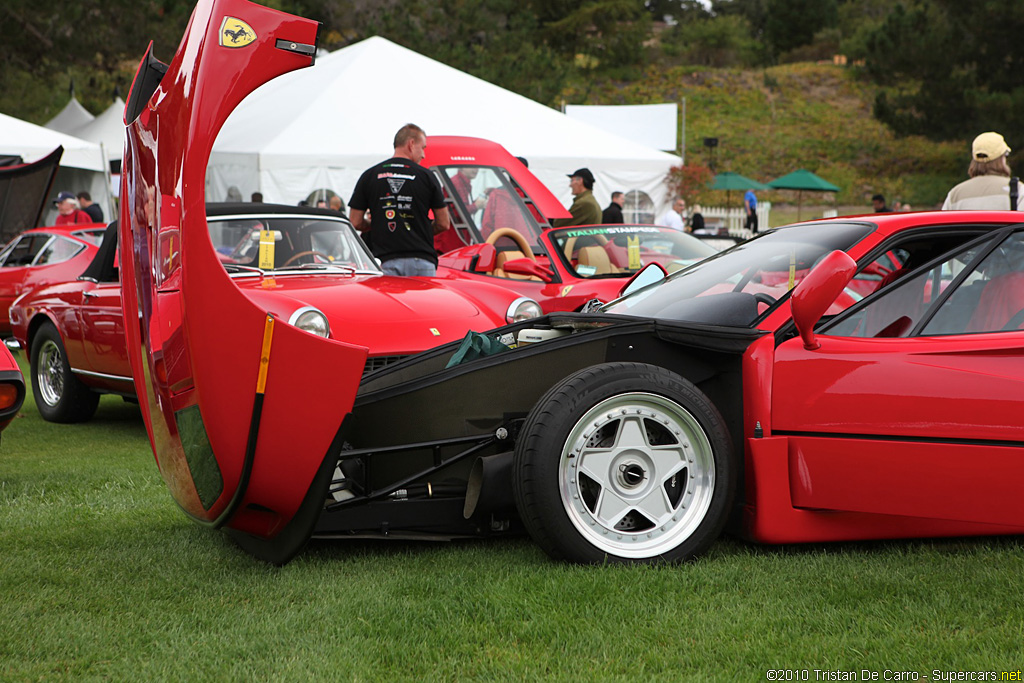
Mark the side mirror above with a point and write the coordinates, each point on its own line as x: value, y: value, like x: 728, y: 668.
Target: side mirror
x: 816, y: 292
x: 648, y: 275
x: 528, y: 267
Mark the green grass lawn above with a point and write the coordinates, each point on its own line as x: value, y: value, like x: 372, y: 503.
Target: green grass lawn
x: 102, y: 577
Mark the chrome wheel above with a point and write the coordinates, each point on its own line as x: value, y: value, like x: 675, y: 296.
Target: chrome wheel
x: 50, y: 373
x: 637, y: 475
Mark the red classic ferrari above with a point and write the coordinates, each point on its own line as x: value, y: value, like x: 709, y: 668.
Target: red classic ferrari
x: 41, y: 256
x: 757, y: 386
x: 305, y: 266
x: 501, y: 232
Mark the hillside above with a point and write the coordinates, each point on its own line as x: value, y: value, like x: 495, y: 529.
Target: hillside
x: 773, y: 121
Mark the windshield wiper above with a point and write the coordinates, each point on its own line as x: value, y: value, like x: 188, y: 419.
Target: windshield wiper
x: 235, y: 269
x: 321, y: 266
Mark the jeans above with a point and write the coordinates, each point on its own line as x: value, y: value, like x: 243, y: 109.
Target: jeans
x: 409, y: 266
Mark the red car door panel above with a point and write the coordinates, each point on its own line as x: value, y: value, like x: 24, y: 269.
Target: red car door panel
x: 103, y: 330
x: 924, y: 427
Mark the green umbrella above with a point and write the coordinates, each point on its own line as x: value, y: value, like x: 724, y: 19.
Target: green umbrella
x: 730, y: 181
x: 802, y: 180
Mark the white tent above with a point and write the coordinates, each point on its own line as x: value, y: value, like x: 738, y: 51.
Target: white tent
x: 106, y: 130
x: 82, y: 166
x: 321, y: 127
x: 72, y: 116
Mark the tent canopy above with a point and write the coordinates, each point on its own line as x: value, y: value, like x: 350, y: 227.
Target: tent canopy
x: 82, y: 166
x: 106, y: 130
x: 734, y: 181
x: 32, y: 142
x: 322, y: 127
x: 802, y: 180
x: 72, y: 116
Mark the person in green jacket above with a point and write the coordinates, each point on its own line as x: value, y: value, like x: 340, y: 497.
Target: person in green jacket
x: 585, y: 210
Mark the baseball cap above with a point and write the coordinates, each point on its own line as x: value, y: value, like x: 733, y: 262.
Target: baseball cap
x: 584, y: 174
x: 989, y: 147
x: 62, y: 197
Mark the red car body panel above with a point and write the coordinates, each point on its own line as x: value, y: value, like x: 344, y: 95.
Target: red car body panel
x: 17, y: 279
x: 242, y: 396
x: 12, y: 387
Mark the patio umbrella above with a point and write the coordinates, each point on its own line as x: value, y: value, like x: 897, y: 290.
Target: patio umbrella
x: 802, y: 180
x: 730, y: 181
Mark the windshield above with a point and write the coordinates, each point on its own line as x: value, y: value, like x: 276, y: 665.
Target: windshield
x: 735, y: 287
x: 288, y: 243
x: 621, y: 250
x: 484, y: 199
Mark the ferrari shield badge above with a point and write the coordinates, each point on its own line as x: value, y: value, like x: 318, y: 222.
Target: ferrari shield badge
x: 236, y: 33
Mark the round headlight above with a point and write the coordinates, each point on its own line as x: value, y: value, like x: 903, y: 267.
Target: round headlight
x: 311, y: 320
x: 523, y: 308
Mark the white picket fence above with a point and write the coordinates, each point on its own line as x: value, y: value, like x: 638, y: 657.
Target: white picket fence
x: 734, y: 218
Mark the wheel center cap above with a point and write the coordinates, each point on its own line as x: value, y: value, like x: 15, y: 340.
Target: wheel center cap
x: 631, y: 474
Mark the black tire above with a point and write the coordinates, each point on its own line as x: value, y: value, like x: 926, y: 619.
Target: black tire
x: 59, y: 394
x: 602, y: 459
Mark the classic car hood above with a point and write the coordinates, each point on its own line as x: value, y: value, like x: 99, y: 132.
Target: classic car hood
x: 417, y: 314
x: 24, y: 191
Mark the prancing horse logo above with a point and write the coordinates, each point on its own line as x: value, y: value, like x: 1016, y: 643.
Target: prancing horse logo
x: 236, y: 33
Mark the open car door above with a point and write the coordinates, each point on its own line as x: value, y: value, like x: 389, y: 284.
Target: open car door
x: 243, y: 433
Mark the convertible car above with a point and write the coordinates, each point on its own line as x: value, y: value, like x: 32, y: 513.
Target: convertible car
x: 306, y: 266
x: 757, y: 387
x: 501, y: 232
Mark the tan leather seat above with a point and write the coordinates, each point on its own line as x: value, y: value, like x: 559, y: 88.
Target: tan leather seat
x: 597, y: 258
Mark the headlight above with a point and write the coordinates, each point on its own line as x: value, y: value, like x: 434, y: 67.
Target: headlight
x: 521, y: 309
x: 311, y: 320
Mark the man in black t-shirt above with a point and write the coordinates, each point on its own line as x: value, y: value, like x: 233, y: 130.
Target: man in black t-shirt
x: 95, y: 211
x: 399, y: 194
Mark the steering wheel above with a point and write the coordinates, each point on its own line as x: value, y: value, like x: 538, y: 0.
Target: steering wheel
x: 313, y: 252
x: 766, y: 299
x: 516, y: 237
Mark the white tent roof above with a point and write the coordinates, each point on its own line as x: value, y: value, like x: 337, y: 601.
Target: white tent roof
x: 33, y: 142
x: 322, y: 126
x: 72, y: 116
x: 107, y: 130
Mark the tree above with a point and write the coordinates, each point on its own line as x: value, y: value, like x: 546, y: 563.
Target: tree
x: 958, y: 67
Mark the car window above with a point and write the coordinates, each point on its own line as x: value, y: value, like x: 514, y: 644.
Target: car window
x: 897, y: 311
x: 91, y: 235
x: 278, y: 242
x: 487, y: 200
x: 974, y: 289
x: 59, y: 249
x: 22, y: 251
x: 990, y: 298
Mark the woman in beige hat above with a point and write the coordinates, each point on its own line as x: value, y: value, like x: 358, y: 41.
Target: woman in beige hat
x: 989, y: 185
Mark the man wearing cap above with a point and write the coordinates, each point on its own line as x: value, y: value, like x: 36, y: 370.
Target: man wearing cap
x: 585, y: 210
x: 989, y: 184
x: 68, y: 212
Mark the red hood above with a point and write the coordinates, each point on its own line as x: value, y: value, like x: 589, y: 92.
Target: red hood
x: 418, y: 314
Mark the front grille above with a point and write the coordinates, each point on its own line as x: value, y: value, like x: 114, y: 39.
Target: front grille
x: 374, y: 363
